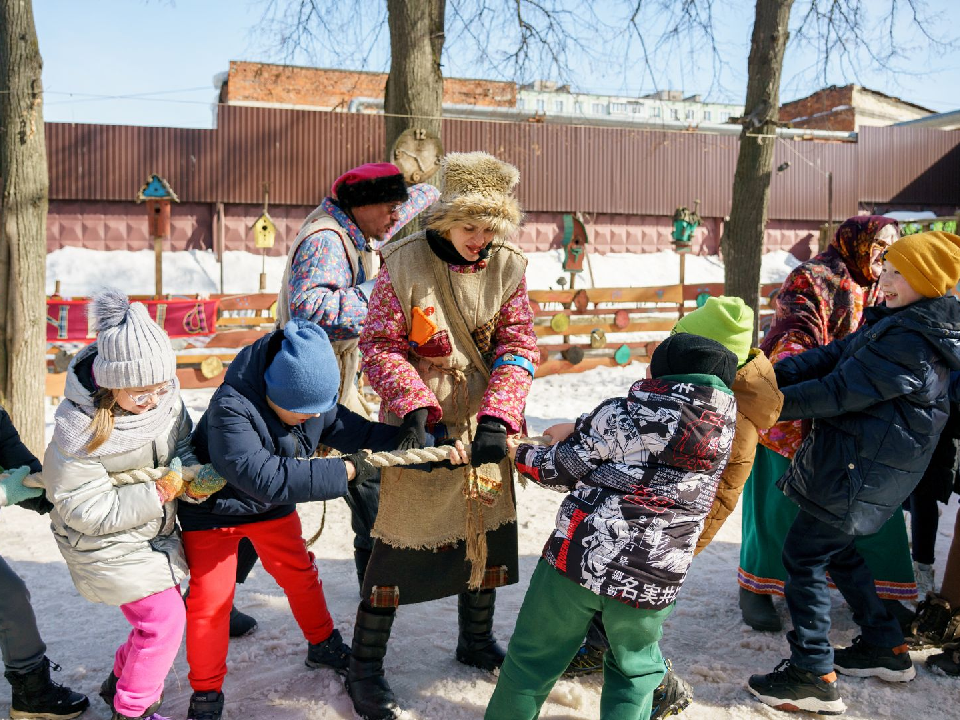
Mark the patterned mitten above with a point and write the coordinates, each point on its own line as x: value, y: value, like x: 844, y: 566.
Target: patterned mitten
x: 171, y: 485
x: 206, y: 482
x: 12, y: 489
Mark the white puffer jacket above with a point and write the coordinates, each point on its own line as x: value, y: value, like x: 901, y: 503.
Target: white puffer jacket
x: 119, y: 542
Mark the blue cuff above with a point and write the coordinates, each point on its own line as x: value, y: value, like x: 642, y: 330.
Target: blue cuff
x: 511, y: 359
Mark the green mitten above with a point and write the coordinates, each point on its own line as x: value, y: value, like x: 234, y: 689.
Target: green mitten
x: 12, y: 489
x: 205, y: 483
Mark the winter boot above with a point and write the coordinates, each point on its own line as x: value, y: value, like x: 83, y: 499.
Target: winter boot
x: 36, y: 696
x: 865, y: 660
x: 589, y: 658
x: 205, y: 706
x: 672, y: 695
x: 368, y: 689
x: 333, y: 653
x: 792, y: 689
x: 476, y: 646
x: 926, y: 578
x: 935, y: 623
x: 901, y: 613
x: 240, y: 623
x: 758, y: 611
x: 948, y: 661
x: 108, y: 691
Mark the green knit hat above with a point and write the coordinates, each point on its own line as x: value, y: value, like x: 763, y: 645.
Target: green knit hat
x: 728, y: 320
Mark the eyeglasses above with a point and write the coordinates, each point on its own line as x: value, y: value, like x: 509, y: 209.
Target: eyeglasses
x: 143, y: 399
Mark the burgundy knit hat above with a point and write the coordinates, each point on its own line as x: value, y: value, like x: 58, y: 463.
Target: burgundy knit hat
x: 370, y: 184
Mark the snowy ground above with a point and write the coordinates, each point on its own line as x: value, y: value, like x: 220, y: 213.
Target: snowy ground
x: 705, y: 638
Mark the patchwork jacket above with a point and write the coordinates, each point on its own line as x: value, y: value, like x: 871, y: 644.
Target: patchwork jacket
x: 642, y: 472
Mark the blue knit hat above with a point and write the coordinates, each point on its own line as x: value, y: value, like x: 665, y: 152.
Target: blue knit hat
x: 304, y: 376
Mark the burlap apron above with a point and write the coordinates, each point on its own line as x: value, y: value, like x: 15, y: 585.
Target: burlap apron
x: 444, y: 508
x: 346, y: 351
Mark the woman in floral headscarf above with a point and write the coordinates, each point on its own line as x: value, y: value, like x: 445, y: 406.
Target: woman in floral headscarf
x: 821, y: 300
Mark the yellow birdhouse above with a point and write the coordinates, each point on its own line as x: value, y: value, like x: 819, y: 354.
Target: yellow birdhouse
x: 264, y: 231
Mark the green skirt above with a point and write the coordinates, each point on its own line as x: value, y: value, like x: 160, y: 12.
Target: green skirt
x: 768, y: 514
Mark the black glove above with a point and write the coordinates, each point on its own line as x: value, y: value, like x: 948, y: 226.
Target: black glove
x: 363, y: 469
x: 413, y: 430
x: 490, y: 442
x: 38, y: 504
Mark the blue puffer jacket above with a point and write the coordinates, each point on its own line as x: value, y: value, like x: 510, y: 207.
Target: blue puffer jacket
x: 268, y: 465
x: 879, y: 402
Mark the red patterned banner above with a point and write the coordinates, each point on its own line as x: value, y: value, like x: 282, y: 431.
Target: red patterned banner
x: 67, y: 319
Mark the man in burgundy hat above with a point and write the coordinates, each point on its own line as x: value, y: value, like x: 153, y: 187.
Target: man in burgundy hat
x: 328, y: 280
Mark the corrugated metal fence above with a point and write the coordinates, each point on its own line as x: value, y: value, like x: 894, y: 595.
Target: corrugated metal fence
x: 563, y: 168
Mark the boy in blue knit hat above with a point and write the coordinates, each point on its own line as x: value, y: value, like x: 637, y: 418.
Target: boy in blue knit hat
x: 277, y: 404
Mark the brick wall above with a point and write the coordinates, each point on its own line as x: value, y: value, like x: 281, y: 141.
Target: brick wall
x: 818, y: 111
x: 334, y: 89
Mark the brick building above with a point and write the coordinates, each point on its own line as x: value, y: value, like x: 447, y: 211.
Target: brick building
x: 263, y: 85
x: 848, y: 108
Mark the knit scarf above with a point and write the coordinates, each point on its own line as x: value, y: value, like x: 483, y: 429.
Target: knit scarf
x: 72, y: 421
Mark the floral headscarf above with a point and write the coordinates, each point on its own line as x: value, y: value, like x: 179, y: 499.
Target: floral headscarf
x: 822, y: 300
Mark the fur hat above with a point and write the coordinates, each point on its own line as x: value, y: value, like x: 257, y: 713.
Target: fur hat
x: 370, y: 184
x: 304, y: 376
x: 728, y: 320
x: 477, y: 188
x: 929, y: 261
x: 686, y: 354
x: 132, y: 350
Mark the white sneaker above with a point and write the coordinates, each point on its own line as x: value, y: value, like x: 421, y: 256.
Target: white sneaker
x: 926, y: 579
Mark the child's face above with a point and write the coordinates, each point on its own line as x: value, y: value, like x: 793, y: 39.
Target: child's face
x: 288, y: 417
x: 141, y: 399
x: 895, y: 287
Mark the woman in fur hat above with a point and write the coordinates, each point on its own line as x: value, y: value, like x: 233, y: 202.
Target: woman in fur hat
x: 449, y: 346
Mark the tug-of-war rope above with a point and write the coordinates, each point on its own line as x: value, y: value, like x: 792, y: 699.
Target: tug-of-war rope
x: 379, y: 460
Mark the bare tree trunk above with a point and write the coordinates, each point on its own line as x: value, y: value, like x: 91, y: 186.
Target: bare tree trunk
x: 742, y: 241
x: 23, y: 221
x: 414, y: 93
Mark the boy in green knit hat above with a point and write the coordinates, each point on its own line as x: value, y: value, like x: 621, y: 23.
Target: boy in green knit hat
x: 729, y: 321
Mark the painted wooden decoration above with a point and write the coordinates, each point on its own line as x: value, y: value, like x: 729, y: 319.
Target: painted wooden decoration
x: 580, y: 300
x: 560, y: 322
x: 574, y: 244
x: 264, y: 231
x: 621, y: 319
x: 211, y: 367
x: 622, y: 355
x: 598, y: 338
x: 573, y: 355
x: 158, y: 195
x: 417, y: 152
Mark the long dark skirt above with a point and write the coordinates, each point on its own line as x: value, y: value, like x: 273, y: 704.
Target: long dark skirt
x: 422, y: 575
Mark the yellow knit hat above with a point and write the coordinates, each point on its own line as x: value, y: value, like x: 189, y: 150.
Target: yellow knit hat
x: 929, y: 261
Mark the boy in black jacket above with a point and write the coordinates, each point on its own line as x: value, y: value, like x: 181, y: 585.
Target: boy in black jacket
x: 26, y: 666
x: 879, y: 401
x: 277, y: 404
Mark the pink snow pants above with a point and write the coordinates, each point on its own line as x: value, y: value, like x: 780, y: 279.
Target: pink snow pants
x: 143, y: 661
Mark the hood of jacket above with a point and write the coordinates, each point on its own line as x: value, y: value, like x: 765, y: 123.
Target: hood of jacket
x: 755, y: 387
x: 937, y: 319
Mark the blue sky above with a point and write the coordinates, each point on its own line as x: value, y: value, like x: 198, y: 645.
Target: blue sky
x: 152, y: 62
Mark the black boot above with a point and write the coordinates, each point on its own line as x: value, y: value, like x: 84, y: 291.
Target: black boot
x: 240, y: 623
x: 108, y: 691
x: 476, y: 646
x: 372, y: 697
x: 205, y: 706
x: 35, y: 695
x: 758, y: 611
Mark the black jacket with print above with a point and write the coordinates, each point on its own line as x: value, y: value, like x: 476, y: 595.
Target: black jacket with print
x: 642, y: 472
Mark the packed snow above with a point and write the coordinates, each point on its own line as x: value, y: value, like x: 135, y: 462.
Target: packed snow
x: 705, y: 638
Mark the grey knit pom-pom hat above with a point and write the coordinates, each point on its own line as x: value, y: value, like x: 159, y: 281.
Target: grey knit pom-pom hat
x: 132, y: 350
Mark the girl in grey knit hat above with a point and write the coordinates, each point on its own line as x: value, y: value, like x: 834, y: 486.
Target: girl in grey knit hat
x: 121, y: 412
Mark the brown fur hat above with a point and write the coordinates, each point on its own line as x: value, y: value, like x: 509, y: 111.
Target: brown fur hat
x: 477, y: 188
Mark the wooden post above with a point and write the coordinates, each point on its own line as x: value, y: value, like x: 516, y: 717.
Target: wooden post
x: 219, y: 241
x: 683, y: 276
x: 263, y: 270
x: 158, y: 252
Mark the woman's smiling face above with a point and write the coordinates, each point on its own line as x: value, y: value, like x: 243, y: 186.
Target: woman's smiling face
x: 469, y: 239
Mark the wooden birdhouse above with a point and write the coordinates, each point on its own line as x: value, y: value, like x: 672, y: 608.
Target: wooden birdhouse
x: 574, y: 244
x: 264, y: 231
x: 157, y: 194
